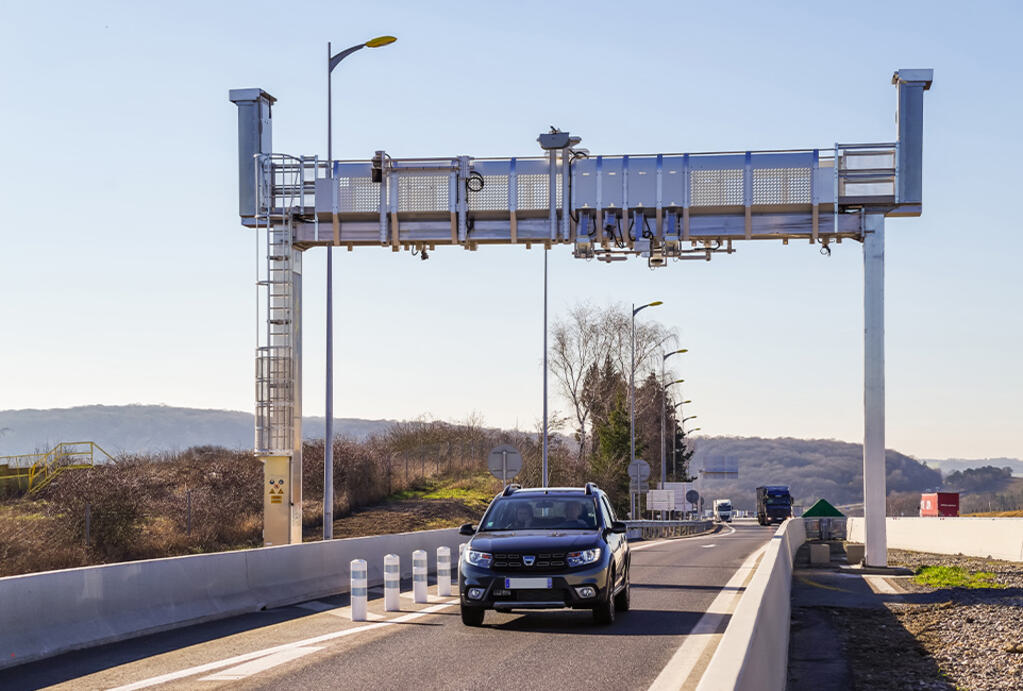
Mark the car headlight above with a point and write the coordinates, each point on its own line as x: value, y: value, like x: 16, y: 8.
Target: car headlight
x: 586, y: 556
x: 481, y: 559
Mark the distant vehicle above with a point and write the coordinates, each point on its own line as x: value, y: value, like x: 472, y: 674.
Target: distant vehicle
x: 943, y: 504
x: 723, y: 510
x: 774, y: 504
x: 545, y: 548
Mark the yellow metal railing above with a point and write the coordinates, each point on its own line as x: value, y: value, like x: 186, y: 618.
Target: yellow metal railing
x: 38, y: 469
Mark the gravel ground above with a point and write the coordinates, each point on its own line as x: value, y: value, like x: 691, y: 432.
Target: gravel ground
x: 974, y: 636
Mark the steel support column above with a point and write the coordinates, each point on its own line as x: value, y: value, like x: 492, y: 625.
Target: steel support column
x: 874, y: 480
x: 295, y: 531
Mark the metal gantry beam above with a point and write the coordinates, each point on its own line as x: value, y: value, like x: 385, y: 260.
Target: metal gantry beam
x: 662, y: 208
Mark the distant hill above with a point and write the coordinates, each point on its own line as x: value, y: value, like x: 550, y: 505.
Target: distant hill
x: 812, y: 468
x: 951, y: 465
x: 150, y: 428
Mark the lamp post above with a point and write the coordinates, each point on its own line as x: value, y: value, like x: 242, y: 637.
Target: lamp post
x: 674, y: 470
x: 328, y: 439
x: 664, y: 406
x: 632, y: 389
x: 632, y: 380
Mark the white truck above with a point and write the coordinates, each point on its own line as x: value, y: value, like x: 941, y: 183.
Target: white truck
x: 723, y: 510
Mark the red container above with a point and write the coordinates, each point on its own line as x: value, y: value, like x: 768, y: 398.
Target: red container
x: 939, y: 504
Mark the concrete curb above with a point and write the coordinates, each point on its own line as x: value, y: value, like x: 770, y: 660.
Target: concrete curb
x: 753, y: 652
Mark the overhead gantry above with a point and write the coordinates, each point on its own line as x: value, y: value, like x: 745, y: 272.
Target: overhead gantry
x: 661, y: 208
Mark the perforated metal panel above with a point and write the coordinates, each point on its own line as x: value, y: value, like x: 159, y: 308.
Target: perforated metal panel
x: 533, y: 194
x: 781, y: 186
x: 423, y: 193
x: 716, y: 187
x: 493, y: 196
x: 358, y: 195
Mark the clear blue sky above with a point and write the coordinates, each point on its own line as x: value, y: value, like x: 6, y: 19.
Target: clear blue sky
x: 127, y: 278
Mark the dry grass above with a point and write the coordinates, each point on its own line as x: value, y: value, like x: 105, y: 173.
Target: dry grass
x: 138, y: 504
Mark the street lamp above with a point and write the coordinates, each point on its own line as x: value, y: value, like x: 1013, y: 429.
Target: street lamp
x: 328, y: 439
x: 632, y: 385
x: 674, y: 471
x: 664, y: 405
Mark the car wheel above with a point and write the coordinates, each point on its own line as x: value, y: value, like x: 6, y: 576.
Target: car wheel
x: 604, y: 613
x: 622, y: 599
x: 473, y: 616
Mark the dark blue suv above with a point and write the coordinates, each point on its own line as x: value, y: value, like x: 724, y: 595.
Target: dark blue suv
x: 545, y: 548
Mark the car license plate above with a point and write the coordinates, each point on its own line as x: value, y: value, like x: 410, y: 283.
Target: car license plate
x: 529, y: 583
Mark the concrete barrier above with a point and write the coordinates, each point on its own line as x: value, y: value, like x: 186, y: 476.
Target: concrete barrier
x: 997, y: 538
x: 753, y: 652
x: 45, y: 614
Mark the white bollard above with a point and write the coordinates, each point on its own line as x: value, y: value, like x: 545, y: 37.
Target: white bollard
x: 444, y: 571
x: 392, y: 583
x: 419, y: 576
x: 359, y: 591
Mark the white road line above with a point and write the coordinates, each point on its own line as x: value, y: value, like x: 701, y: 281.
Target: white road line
x: 238, y: 659
x: 879, y: 585
x: 713, y: 544
x: 705, y: 633
x: 261, y: 665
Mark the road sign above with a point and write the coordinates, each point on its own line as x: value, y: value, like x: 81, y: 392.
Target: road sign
x: 680, y: 489
x: 692, y: 496
x: 720, y: 468
x: 639, y: 470
x: 504, y: 462
x: 660, y: 500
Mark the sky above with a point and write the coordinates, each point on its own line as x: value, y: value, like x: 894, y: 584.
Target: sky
x: 127, y: 277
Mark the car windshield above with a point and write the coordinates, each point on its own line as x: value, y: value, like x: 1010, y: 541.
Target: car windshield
x: 778, y: 499
x: 542, y: 513
x: 724, y: 507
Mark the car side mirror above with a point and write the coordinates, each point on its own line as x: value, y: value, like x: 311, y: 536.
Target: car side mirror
x: 467, y: 529
x: 618, y: 527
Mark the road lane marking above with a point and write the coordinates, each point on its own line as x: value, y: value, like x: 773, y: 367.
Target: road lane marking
x: 705, y: 634
x: 713, y: 544
x: 262, y: 664
x: 238, y: 659
x: 806, y: 581
x: 879, y: 585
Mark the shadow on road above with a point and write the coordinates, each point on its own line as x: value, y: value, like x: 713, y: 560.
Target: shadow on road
x: 635, y: 622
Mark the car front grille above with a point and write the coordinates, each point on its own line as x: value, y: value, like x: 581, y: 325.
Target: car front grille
x: 543, y: 561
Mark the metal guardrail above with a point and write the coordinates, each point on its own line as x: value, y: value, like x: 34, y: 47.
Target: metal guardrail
x: 657, y: 529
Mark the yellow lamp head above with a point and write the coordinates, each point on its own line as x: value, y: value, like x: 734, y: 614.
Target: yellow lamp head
x: 380, y: 41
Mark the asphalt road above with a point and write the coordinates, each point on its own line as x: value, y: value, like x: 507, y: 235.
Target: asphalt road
x: 680, y: 605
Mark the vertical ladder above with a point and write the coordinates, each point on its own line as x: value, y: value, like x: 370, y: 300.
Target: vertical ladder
x: 275, y: 353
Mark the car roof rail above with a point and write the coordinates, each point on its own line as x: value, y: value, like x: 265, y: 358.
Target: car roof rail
x: 591, y: 488
x: 509, y: 489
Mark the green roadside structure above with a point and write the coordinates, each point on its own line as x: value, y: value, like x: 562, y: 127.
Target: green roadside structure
x: 822, y: 509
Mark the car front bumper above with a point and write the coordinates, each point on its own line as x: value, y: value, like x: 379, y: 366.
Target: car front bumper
x: 562, y: 594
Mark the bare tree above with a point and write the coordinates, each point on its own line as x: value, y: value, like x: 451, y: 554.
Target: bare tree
x: 588, y: 337
x: 580, y: 339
